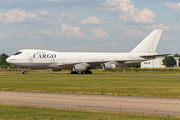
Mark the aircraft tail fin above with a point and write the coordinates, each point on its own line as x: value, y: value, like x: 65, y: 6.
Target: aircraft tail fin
x: 149, y: 44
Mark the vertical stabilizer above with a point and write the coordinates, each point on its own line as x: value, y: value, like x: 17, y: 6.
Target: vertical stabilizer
x: 149, y: 44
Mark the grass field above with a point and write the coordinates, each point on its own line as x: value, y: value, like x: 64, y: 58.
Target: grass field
x: 124, y: 70
x: 142, y: 70
x: 36, y: 113
x: 158, y: 85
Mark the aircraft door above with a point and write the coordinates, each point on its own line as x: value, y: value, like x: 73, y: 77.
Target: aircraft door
x: 133, y: 58
x: 30, y: 59
x: 53, y: 60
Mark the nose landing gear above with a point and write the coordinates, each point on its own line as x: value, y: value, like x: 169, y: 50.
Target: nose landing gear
x: 24, y: 72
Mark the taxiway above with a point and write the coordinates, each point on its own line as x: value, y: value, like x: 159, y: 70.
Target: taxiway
x: 146, y: 105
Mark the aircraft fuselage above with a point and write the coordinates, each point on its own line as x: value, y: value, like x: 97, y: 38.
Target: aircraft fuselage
x: 44, y: 59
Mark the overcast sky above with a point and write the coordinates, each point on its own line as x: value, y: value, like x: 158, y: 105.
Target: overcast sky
x: 87, y: 25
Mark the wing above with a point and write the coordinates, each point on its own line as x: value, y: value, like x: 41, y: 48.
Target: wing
x: 119, y: 63
x: 92, y: 64
x: 87, y: 64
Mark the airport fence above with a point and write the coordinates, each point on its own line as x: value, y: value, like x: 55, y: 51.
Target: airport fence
x: 14, y: 70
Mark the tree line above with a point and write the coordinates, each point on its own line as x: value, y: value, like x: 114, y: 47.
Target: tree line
x: 3, y: 63
x: 168, y: 61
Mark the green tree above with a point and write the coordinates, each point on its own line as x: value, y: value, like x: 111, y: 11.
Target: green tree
x: 5, y: 66
x: 179, y: 62
x: 12, y: 66
x: 169, y: 61
x: 3, y: 58
x: 135, y: 65
x: 176, y: 55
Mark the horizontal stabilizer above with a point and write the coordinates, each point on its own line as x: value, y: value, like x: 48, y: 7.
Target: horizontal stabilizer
x: 153, y: 56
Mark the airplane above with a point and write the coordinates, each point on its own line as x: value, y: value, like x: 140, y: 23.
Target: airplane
x: 85, y: 61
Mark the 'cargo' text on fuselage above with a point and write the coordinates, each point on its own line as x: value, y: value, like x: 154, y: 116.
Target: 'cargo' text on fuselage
x: 44, y: 56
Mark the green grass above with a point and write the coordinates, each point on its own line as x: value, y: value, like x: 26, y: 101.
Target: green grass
x: 157, y: 85
x: 125, y: 70
x: 37, y: 113
x: 134, y: 70
x: 144, y: 70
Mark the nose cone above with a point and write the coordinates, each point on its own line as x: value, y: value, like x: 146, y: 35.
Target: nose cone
x: 8, y: 60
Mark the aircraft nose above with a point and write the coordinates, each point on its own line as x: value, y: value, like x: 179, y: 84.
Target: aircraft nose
x: 8, y: 60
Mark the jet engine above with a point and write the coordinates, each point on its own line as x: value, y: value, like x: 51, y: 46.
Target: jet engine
x: 55, y: 70
x: 108, y: 66
x: 79, y: 68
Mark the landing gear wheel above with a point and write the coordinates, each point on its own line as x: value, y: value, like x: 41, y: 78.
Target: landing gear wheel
x: 86, y: 72
x: 24, y: 72
x: 89, y: 72
x: 83, y: 72
x: 74, y: 72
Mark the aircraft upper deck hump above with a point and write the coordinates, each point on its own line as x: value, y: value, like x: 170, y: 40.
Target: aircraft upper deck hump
x: 149, y: 44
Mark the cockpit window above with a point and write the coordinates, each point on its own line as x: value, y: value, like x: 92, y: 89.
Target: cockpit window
x: 19, y: 52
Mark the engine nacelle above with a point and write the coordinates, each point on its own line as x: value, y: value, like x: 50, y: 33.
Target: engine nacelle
x: 55, y: 69
x: 108, y: 66
x: 79, y: 68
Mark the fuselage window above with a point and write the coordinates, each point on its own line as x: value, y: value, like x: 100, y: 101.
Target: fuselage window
x: 19, y: 52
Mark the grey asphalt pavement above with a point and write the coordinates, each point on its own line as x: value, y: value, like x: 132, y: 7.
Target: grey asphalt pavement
x: 146, y: 105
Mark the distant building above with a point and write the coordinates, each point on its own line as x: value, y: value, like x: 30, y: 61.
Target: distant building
x: 156, y: 63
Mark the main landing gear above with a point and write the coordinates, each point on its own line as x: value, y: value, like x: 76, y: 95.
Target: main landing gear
x: 84, y: 72
x: 74, y: 72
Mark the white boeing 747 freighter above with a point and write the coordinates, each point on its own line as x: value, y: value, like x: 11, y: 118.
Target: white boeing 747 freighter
x: 84, y: 61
